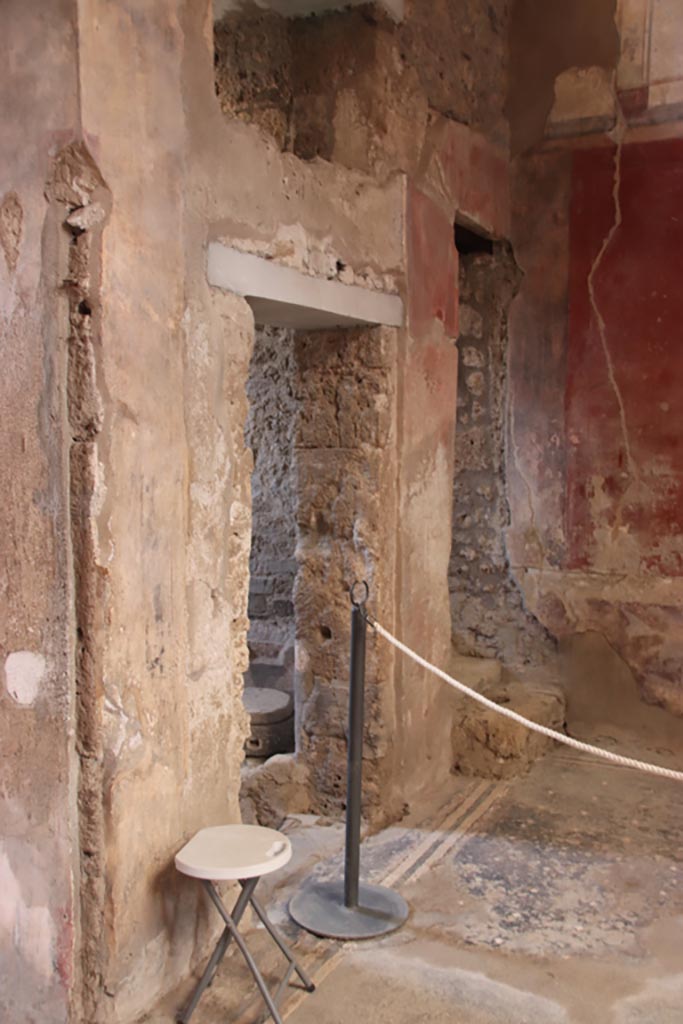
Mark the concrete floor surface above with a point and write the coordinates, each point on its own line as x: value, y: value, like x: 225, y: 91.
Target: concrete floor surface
x: 556, y: 898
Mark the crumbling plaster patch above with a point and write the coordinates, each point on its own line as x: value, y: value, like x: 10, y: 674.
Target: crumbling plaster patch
x: 545, y: 42
x: 581, y: 94
x: 74, y: 185
x: 282, y: 296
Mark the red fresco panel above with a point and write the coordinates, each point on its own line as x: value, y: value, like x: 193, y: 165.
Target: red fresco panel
x: 638, y: 290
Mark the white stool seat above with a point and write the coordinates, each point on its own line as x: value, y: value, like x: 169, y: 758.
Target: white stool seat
x: 242, y: 853
x: 233, y: 852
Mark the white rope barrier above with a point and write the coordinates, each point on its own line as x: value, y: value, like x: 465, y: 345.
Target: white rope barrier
x: 560, y: 737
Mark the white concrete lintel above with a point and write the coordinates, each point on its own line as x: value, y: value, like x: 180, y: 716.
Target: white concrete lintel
x: 303, y: 8
x: 281, y: 296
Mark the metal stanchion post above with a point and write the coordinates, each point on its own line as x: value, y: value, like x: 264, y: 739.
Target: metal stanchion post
x: 354, y: 782
x: 351, y: 909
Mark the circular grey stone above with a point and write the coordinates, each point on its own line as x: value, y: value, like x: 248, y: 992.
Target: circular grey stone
x: 265, y: 706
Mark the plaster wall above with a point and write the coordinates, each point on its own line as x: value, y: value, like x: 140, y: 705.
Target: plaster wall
x: 38, y: 767
x: 462, y: 174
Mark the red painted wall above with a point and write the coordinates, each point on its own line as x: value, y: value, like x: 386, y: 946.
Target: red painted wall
x: 624, y: 424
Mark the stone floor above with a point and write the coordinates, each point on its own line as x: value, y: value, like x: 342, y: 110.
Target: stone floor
x: 555, y: 898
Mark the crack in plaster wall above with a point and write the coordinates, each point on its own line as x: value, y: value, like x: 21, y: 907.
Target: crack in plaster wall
x: 618, y: 137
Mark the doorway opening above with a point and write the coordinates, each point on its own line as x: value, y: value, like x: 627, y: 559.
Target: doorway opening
x: 270, y: 433
x: 321, y: 427
x: 489, y: 619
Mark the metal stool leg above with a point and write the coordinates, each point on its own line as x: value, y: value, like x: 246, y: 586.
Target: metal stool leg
x: 220, y: 950
x: 281, y: 944
x: 251, y: 963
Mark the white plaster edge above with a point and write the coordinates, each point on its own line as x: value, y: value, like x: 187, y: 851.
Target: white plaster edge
x: 24, y: 672
x: 282, y: 291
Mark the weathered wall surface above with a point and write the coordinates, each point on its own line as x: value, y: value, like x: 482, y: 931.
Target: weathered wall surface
x: 354, y: 87
x: 650, y: 70
x: 38, y: 848
x: 364, y: 95
x: 623, y: 432
x: 253, y: 58
x: 547, y: 41
x: 173, y: 520
x: 269, y: 433
x: 576, y: 69
x: 487, y: 609
x: 625, y: 474
x: 461, y: 175
x: 595, y: 441
x: 145, y: 656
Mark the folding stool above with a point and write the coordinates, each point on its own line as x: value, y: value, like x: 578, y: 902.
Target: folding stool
x: 242, y: 853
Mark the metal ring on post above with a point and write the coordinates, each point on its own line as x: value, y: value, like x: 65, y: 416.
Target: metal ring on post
x: 352, y: 590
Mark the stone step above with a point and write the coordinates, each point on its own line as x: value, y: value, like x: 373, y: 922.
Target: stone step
x: 485, y: 743
x: 478, y: 673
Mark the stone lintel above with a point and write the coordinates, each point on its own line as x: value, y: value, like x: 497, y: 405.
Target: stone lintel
x: 282, y: 296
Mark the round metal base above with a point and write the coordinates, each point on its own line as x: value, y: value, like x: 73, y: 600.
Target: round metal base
x: 319, y: 908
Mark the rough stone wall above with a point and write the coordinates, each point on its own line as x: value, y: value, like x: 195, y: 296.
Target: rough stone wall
x: 39, y: 917
x: 269, y: 433
x: 355, y: 87
x: 346, y: 518
x: 77, y: 184
x: 487, y: 609
x: 460, y: 52
x: 253, y: 62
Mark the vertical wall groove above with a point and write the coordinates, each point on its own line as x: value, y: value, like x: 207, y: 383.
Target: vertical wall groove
x: 76, y: 188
